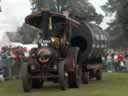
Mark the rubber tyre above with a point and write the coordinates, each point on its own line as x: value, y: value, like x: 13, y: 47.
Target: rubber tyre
x: 73, y: 81
x: 62, y: 78
x: 26, y: 78
x: 75, y: 78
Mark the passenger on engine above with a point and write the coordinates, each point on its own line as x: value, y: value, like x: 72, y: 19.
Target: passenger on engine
x: 58, y: 29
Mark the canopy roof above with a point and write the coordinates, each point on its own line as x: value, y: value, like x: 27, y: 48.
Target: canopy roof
x: 35, y: 18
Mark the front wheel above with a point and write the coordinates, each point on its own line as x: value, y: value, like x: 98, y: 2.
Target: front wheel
x: 63, y: 76
x: 26, y: 78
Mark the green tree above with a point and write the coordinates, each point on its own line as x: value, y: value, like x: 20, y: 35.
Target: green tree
x: 78, y: 8
x: 120, y: 9
x: 53, y: 5
x: 28, y: 34
x: 14, y: 37
x: 118, y: 27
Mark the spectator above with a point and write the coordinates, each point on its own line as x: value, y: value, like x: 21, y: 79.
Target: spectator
x: 19, y: 54
x: 115, y: 62
x: 121, y: 61
x: 104, y: 63
x: 4, y: 62
x: 109, y: 63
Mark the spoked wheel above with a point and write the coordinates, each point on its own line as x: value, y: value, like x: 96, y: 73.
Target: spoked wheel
x: 26, y: 78
x: 98, y: 75
x: 74, y: 79
x: 63, y: 76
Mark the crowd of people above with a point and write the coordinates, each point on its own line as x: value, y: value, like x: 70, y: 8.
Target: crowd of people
x: 11, y: 59
x: 115, y: 60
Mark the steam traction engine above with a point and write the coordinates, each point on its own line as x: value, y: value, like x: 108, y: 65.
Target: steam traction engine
x: 55, y: 59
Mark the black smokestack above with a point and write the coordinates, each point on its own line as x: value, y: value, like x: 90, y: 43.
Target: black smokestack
x: 45, y: 25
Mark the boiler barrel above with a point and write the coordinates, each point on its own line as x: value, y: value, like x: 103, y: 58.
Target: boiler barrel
x: 92, y: 41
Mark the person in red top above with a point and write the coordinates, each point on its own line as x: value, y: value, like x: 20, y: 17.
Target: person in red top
x: 121, y: 61
x: 120, y: 58
x: 17, y: 55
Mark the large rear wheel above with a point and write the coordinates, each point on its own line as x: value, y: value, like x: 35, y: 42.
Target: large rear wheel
x: 74, y: 78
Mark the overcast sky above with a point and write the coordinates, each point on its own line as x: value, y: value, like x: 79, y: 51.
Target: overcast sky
x: 14, y: 12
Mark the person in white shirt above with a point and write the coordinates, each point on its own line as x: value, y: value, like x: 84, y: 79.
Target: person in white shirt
x: 115, y: 62
x: 109, y: 63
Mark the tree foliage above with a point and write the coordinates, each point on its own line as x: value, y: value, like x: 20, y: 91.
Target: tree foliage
x: 120, y: 8
x: 119, y: 26
x: 53, y: 5
x: 28, y: 34
x: 14, y: 37
x: 78, y: 8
